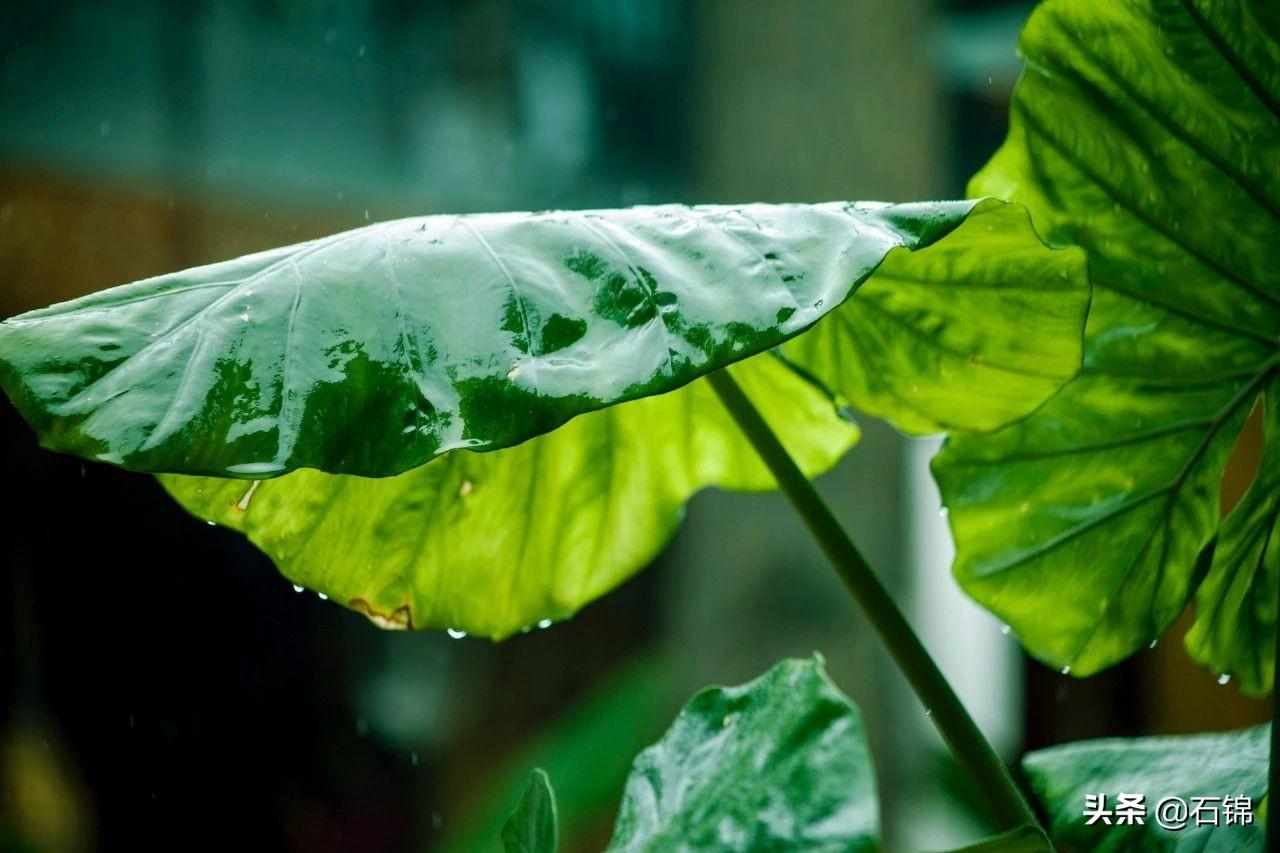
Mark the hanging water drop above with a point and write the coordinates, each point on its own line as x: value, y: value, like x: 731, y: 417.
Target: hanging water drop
x: 1152, y: 644
x: 297, y: 588
x: 544, y: 623
x: 455, y: 633
x: 323, y: 597
x: 1224, y: 678
x: 1066, y: 670
x: 1006, y: 630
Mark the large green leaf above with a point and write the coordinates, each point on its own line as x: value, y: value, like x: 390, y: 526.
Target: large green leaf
x: 374, y: 351
x: 779, y: 763
x: 533, y: 827
x: 492, y: 543
x: 1148, y: 133
x: 1214, y: 767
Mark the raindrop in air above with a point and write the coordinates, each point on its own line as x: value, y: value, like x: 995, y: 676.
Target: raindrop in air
x: 455, y: 633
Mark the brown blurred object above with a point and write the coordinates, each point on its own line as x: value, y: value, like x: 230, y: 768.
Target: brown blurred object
x: 1184, y: 697
x: 61, y: 238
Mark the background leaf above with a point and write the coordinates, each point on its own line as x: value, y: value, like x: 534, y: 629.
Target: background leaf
x: 533, y: 827
x: 1145, y: 132
x: 778, y: 763
x: 588, y: 750
x: 376, y: 350
x: 1232, y: 764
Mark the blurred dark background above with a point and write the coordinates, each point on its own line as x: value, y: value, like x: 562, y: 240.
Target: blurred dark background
x: 162, y: 687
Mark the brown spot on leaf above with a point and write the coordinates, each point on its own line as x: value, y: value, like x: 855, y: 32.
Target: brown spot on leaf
x: 400, y: 619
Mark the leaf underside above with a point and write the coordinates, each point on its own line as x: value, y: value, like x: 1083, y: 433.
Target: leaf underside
x: 1230, y: 764
x: 1147, y: 133
x: 562, y: 345
x: 780, y: 763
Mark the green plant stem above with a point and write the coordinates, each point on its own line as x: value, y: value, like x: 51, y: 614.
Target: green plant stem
x: 1008, y: 807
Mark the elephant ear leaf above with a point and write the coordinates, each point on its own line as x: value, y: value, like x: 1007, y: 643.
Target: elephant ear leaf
x: 1199, y: 792
x: 484, y: 422
x: 374, y: 351
x: 1147, y: 133
x: 533, y: 827
x: 779, y: 763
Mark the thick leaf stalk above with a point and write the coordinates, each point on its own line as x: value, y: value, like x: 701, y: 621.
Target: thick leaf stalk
x: 1008, y: 807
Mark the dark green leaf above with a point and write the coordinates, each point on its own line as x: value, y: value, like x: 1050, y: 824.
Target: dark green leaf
x: 1146, y: 132
x: 374, y: 351
x: 587, y: 749
x: 533, y: 826
x: 779, y: 763
x: 1233, y: 764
